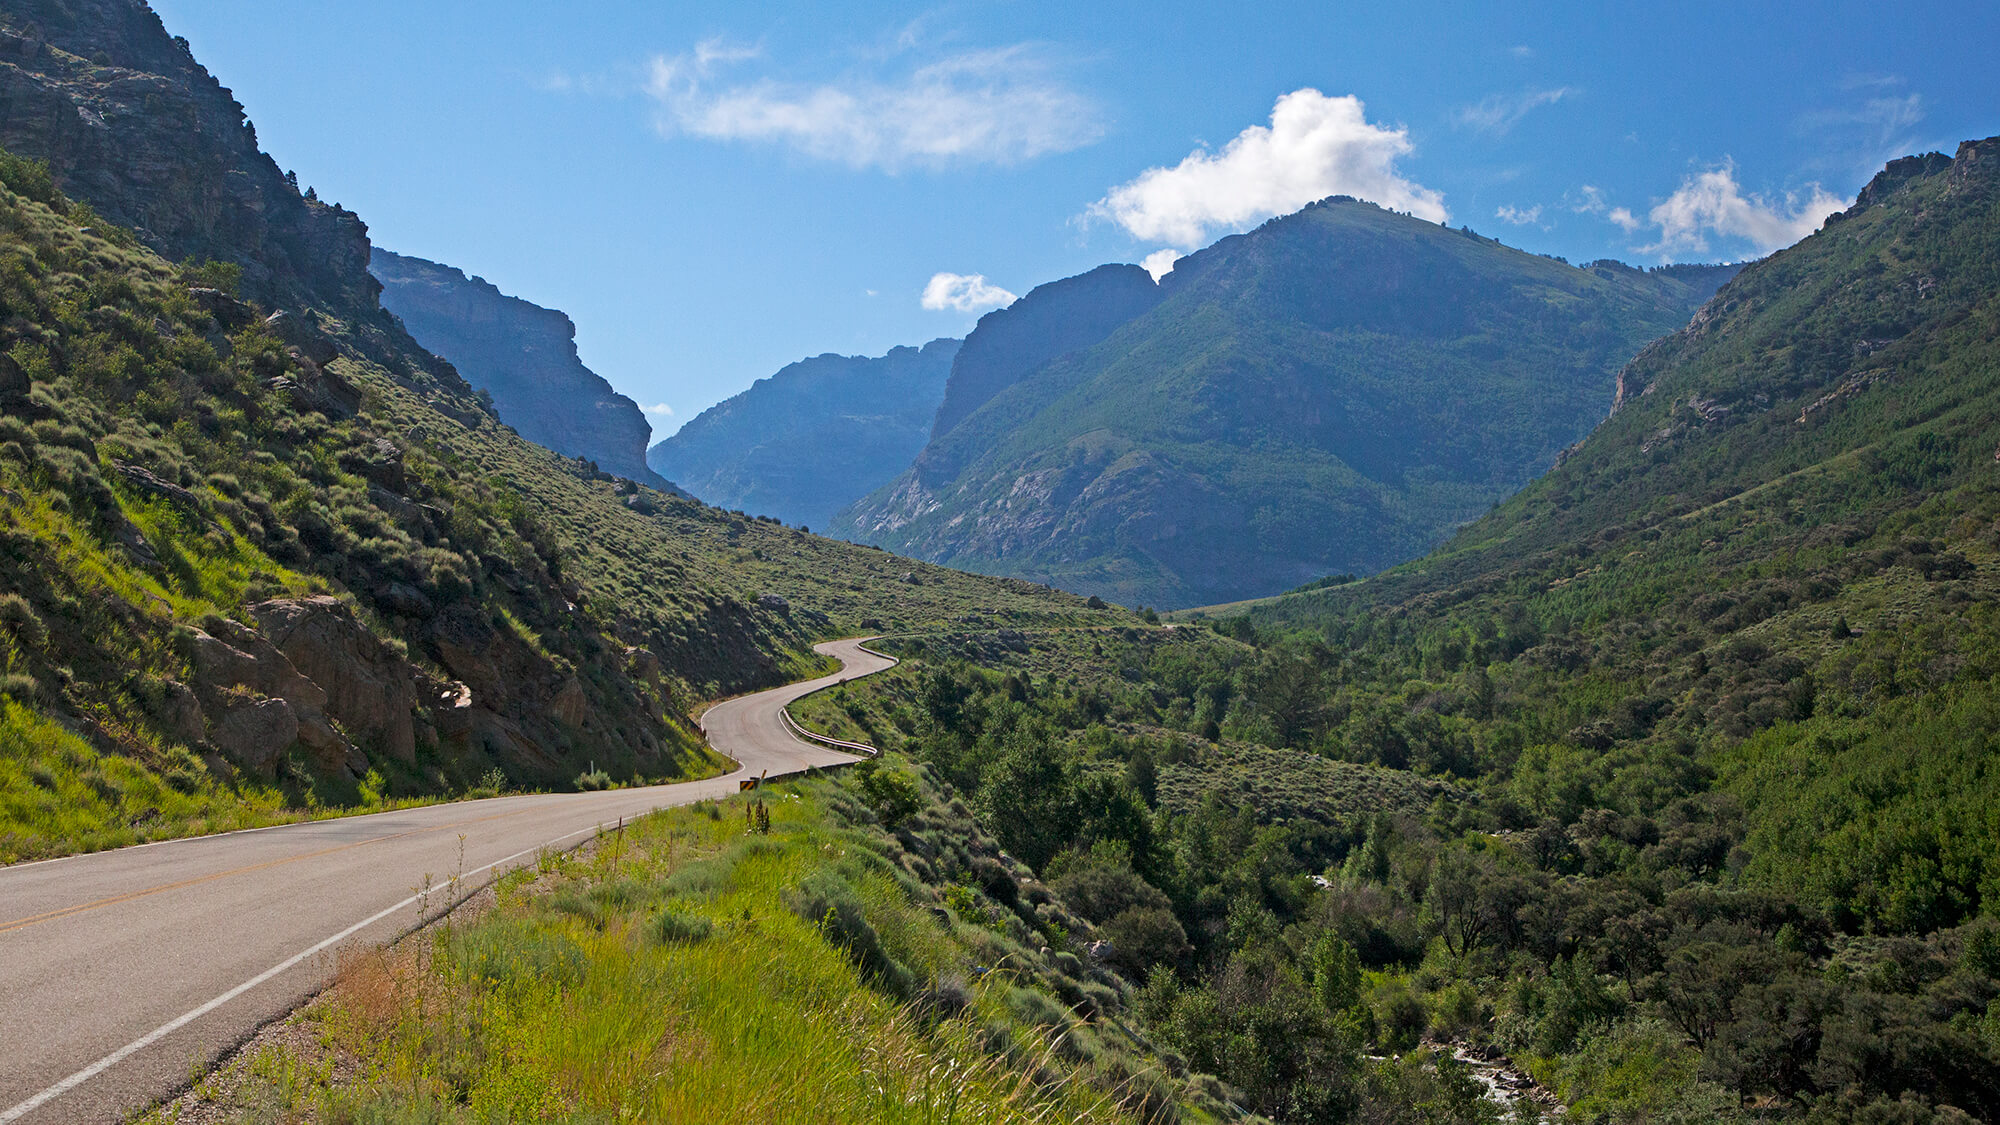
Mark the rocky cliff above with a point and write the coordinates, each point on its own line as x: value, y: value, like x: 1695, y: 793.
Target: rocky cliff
x: 524, y: 356
x: 814, y: 438
x: 129, y: 122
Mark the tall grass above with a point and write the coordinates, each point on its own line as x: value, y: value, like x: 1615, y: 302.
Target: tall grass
x: 665, y: 978
x: 59, y: 795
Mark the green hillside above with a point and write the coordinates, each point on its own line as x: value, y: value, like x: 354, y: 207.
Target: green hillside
x: 1333, y: 392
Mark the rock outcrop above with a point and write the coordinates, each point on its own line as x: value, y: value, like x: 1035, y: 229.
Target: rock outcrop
x: 814, y: 438
x: 524, y: 356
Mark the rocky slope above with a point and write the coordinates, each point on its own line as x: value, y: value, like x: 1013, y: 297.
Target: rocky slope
x: 1333, y: 392
x: 812, y: 439
x: 129, y: 122
x: 524, y: 356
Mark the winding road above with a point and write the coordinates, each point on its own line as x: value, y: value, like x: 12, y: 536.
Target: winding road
x: 124, y: 973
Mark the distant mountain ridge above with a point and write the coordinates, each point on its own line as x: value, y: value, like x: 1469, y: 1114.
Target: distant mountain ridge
x: 1334, y: 391
x: 808, y: 441
x: 523, y: 355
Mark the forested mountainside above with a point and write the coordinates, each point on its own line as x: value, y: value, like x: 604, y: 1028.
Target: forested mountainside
x: 522, y: 355
x: 1332, y: 392
x: 267, y: 555
x: 813, y: 438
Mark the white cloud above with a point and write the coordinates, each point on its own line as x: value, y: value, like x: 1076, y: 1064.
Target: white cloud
x: 1501, y: 112
x: 1522, y: 52
x: 1160, y: 263
x: 997, y: 106
x: 1712, y: 204
x: 964, y: 293
x: 1519, y: 216
x: 660, y: 409
x: 1316, y: 146
x: 1591, y: 201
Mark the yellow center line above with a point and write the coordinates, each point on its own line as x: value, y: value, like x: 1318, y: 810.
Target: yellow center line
x: 113, y: 900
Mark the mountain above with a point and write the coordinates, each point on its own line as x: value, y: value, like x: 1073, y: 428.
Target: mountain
x: 264, y: 553
x: 812, y: 439
x: 1052, y: 320
x: 521, y: 354
x: 1332, y: 392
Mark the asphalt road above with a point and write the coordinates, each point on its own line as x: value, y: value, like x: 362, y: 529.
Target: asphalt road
x: 123, y: 973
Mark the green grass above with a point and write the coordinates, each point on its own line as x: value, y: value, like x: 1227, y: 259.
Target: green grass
x: 672, y: 974
x: 58, y: 794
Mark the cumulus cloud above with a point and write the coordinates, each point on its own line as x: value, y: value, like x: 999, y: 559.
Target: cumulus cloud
x: 959, y: 292
x: 1519, y: 216
x: 1315, y: 146
x: 1160, y: 263
x: 997, y: 106
x: 1712, y: 204
x: 659, y: 409
x: 1501, y: 112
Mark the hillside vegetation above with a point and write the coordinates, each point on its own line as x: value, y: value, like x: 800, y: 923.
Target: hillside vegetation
x: 854, y: 952
x: 1693, y: 817
x: 1332, y: 392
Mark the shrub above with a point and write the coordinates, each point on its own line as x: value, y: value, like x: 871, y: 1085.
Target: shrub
x: 892, y: 793
x: 20, y: 619
x: 675, y: 926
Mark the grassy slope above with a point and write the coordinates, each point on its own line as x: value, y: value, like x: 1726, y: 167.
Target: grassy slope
x: 692, y: 969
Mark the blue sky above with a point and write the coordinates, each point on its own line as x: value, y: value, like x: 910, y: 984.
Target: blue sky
x: 715, y: 190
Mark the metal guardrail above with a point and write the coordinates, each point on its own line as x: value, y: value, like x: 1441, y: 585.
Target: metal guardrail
x: 799, y: 729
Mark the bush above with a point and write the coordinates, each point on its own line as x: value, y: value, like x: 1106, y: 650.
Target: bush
x: 20, y: 619
x: 593, y: 781
x: 892, y: 793
x: 675, y: 926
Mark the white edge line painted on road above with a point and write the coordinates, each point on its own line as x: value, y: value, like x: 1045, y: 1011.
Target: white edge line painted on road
x: 168, y: 1028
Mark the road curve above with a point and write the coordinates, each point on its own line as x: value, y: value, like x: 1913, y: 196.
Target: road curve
x: 123, y: 972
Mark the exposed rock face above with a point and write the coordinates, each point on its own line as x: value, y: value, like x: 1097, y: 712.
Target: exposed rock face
x: 147, y: 139
x: 815, y: 437
x: 368, y: 688
x: 260, y: 704
x: 524, y: 356
x: 1052, y: 320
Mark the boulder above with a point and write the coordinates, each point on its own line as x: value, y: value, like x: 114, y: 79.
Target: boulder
x: 14, y: 381
x: 180, y: 712
x: 774, y: 602
x: 144, y: 480
x: 297, y: 332
x: 256, y: 732
x: 228, y: 312
x: 403, y: 598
